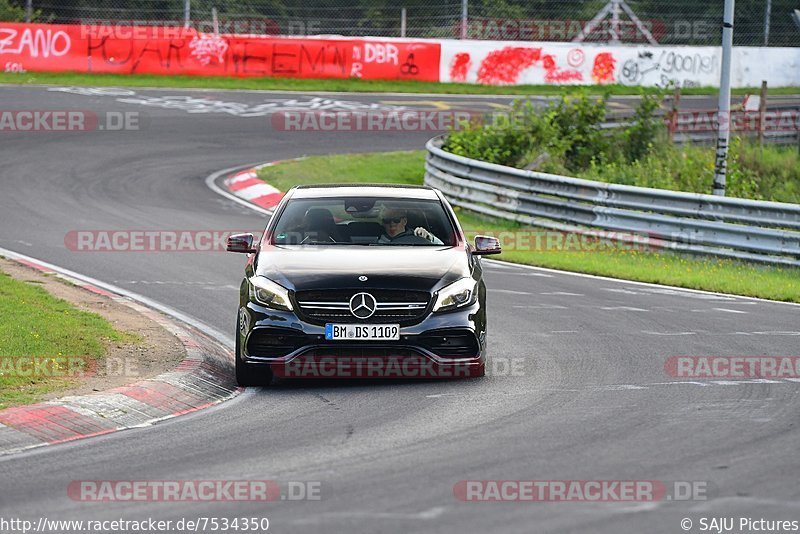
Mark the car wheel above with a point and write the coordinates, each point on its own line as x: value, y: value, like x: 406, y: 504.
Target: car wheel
x: 249, y: 375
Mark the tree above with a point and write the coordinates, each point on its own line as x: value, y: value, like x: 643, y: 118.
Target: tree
x: 10, y: 12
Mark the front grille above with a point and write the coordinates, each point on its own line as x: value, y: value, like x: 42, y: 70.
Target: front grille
x: 393, y: 306
x: 275, y: 342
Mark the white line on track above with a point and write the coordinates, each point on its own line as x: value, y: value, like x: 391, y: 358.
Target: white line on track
x: 606, y: 388
x: 776, y: 333
x: 618, y: 290
x: 679, y: 290
x: 541, y: 307
x: 493, y: 269
x: 325, y: 518
x: 510, y: 292
x: 668, y: 333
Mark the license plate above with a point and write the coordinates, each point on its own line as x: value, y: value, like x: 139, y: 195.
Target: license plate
x: 367, y: 332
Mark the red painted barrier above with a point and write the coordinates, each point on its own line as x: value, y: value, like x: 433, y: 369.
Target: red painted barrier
x: 173, y: 50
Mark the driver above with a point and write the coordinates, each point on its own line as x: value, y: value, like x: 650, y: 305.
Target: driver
x: 394, y: 222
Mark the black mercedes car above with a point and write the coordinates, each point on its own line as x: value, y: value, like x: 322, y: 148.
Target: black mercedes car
x: 361, y: 282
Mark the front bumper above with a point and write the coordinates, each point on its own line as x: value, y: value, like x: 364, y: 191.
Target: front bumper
x: 441, y: 345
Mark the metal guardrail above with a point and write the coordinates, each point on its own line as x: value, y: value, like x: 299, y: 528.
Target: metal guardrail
x: 690, y: 222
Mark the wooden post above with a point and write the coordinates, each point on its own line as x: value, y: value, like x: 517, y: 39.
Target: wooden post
x: 673, y: 115
x: 762, y: 108
x: 798, y: 142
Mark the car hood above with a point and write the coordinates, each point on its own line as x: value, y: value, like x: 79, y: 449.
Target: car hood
x: 415, y: 268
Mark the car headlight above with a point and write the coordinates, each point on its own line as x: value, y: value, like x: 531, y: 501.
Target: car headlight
x: 266, y: 292
x: 459, y: 293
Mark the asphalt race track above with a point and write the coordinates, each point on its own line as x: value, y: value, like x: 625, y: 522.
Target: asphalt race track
x: 593, y: 401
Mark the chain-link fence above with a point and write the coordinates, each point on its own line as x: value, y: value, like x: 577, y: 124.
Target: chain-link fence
x: 682, y: 22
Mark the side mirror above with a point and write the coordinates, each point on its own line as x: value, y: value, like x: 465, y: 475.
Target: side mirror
x: 240, y: 243
x: 485, y: 245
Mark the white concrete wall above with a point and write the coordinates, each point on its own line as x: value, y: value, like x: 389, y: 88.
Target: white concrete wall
x: 516, y: 63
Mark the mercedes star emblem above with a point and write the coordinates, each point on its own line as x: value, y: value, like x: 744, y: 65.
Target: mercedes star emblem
x: 363, y: 305
x: 363, y: 278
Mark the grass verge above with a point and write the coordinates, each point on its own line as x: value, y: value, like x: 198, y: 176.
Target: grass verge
x: 724, y: 276
x: 332, y: 85
x: 36, y: 327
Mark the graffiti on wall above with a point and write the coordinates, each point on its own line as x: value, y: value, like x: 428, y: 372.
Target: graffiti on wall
x: 511, y: 65
x: 592, y: 64
x: 34, y: 42
x: 670, y: 67
x: 151, y: 50
x: 567, y: 63
x: 207, y: 48
x: 184, y: 51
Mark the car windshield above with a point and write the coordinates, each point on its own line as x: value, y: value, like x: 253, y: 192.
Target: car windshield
x: 364, y: 221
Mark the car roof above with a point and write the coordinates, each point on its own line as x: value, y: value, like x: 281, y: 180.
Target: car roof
x: 398, y: 191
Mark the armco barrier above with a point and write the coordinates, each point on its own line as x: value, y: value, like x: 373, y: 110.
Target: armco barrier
x: 691, y: 222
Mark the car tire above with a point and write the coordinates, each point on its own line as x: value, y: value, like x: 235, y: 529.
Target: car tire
x: 249, y: 375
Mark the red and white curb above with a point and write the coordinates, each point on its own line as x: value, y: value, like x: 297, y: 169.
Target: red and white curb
x: 202, y: 379
x: 247, y: 186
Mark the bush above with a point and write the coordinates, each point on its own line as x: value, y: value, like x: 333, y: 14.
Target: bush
x: 639, y: 138
x: 505, y: 140
x: 566, y: 138
x: 578, y: 124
